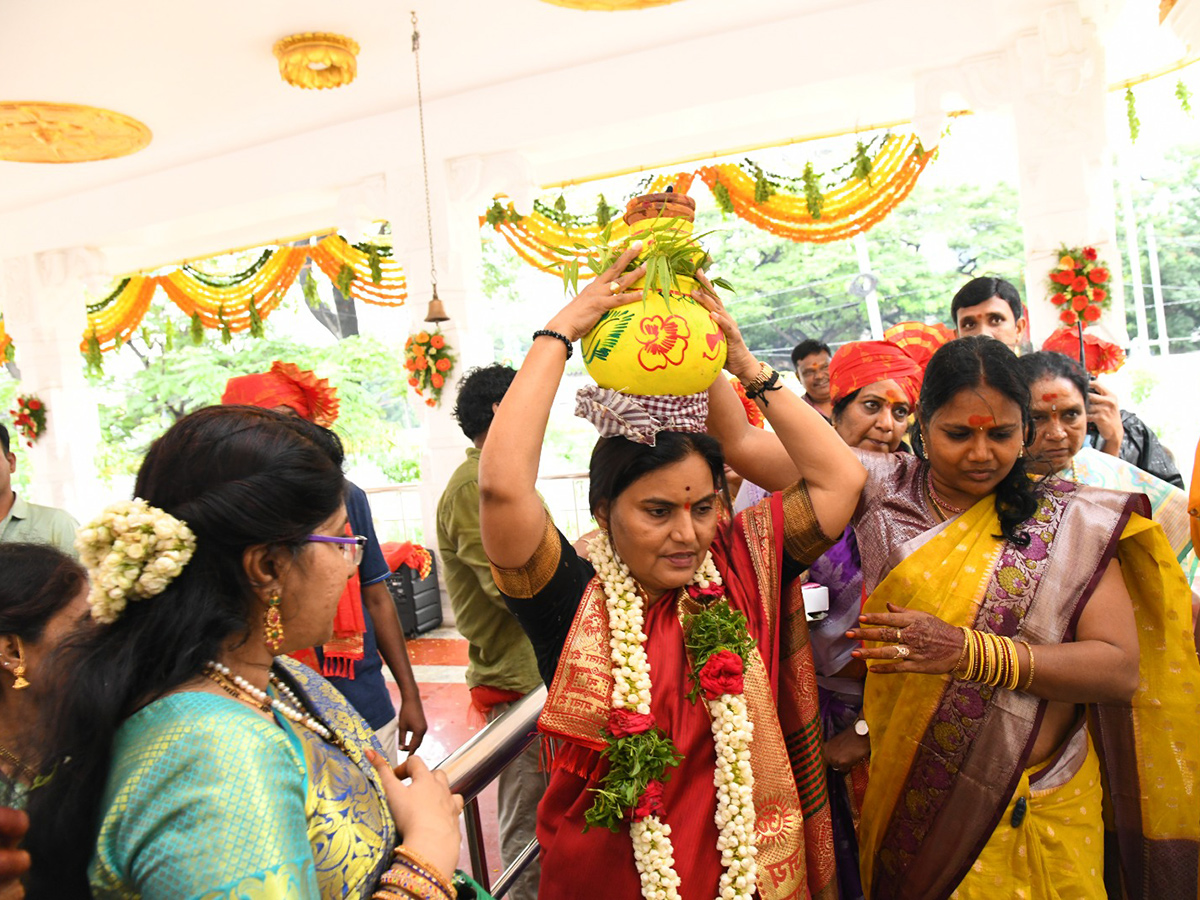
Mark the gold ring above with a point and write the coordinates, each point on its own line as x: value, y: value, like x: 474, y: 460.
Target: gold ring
x: 614, y: 287
x: 902, y: 652
x: 899, y: 635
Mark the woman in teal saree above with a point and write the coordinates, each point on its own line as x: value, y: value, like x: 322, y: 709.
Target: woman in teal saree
x: 198, y: 760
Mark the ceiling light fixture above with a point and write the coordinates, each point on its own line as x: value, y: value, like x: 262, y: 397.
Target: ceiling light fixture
x: 317, y: 60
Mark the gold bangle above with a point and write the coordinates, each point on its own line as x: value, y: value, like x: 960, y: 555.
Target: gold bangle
x: 410, y: 882
x: 413, y: 861
x: 1029, y: 677
x: 764, y: 375
x: 1013, y: 677
x: 963, y: 655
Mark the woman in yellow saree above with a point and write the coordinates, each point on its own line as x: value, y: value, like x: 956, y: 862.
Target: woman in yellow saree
x: 999, y: 610
x: 994, y: 785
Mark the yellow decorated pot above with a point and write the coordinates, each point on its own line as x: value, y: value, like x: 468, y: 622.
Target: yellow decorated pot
x: 656, y: 346
x: 660, y: 344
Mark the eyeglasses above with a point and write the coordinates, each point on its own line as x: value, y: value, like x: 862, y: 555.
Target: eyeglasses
x: 352, y: 547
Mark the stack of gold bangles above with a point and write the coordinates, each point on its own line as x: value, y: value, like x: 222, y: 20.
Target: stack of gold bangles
x: 991, y: 659
x: 412, y: 878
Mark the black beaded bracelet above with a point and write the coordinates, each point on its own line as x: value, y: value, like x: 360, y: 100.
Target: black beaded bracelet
x: 546, y: 332
x: 754, y: 392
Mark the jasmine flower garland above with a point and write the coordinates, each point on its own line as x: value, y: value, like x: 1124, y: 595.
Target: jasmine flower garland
x: 639, y: 753
x: 131, y: 550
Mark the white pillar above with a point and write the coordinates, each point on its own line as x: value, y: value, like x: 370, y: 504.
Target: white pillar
x: 44, y: 310
x: 459, y: 190
x: 1066, y: 177
x: 1052, y: 78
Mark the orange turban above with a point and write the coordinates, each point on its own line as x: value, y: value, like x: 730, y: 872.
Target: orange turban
x: 288, y: 385
x: 860, y: 363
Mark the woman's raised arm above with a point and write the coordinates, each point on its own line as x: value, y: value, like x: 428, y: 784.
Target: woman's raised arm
x: 814, y: 452
x: 512, y: 519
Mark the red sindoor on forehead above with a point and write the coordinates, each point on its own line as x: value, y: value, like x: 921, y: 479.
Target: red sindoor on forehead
x: 980, y: 421
x: 1049, y: 398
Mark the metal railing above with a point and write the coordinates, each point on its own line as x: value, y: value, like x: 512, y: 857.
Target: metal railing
x: 476, y: 764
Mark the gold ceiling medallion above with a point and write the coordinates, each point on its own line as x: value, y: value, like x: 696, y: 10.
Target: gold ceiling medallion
x: 609, y: 5
x: 35, y: 132
x: 317, y: 60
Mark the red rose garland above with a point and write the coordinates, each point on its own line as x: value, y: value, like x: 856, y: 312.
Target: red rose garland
x: 428, y: 359
x: 29, y: 418
x: 1077, y: 286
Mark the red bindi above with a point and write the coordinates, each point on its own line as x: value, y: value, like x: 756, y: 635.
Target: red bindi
x: 1049, y: 398
x: 980, y: 421
x: 687, y: 506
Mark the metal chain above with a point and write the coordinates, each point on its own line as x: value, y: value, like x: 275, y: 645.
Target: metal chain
x: 416, y: 49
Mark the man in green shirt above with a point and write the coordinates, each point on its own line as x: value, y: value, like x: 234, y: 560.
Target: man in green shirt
x: 501, y: 666
x: 27, y: 522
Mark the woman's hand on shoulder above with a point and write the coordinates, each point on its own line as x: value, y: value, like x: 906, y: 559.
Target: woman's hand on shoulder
x: 912, y: 641
x: 580, y: 316
x: 425, y: 812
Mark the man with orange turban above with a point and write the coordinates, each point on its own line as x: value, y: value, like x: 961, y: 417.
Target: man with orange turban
x: 366, y: 630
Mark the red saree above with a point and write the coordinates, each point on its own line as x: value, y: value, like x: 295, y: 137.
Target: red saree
x: 794, y: 830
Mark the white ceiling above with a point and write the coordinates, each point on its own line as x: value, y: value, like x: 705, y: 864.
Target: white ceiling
x: 575, y: 93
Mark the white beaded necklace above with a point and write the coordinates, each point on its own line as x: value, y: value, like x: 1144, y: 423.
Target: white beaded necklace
x: 233, y: 684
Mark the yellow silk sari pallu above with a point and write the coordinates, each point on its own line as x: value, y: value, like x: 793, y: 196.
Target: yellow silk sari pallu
x: 948, y: 757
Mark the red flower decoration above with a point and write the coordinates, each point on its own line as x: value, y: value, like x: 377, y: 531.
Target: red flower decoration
x: 722, y: 674
x: 1099, y: 295
x: 436, y: 380
x: 1091, y: 314
x: 1062, y: 277
x: 1079, y: 303
x: 663, y: 341
x: 705, y: 595
x: 1058, y: 299
x: 1068, y: 317
x: 1079, y: 284
x: 1098, y: 275
x: 34, y: 403
x: 431, y: 401
x: 442, y: 365
x: 1089, y: 253
x: 625, y: 722
x: 437, y: 342
x: 650, y: 803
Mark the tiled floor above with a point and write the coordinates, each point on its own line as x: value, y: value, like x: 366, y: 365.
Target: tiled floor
x: 439, y: 662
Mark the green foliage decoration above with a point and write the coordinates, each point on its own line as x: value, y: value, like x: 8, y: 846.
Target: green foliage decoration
x: 721, y: 194
x: 345, y: 279
x: 633, y: 762
x: 1131, y: 116
x: 715, y: 628
x: 1184, y: 95
x: 814, y: 200
x: 196, y: 330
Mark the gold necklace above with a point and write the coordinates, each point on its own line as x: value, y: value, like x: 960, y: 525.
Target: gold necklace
x: 941, y: 505
x: 30, y: 773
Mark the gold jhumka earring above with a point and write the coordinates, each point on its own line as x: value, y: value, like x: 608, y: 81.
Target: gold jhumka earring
x: 273, y: 624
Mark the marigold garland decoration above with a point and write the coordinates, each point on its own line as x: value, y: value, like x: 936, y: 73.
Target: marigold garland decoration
x: 1078, y: 285
x: 1100, y: 356
x: 812, y: 207
x: 429, y: 362
x: 240, y: 301
x: 7, y: 348
x: 754, y: 415
x: 29, y: 418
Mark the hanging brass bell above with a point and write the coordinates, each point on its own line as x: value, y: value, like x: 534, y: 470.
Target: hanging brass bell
x: 436, y: 311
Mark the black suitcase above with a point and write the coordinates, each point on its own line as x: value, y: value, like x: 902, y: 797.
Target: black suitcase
x: 418, y: 600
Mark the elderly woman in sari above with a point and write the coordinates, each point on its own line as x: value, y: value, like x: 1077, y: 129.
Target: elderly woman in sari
x: 673, y: 592
x: 203, y: 761
x: 874, y: 387
x: 1059, y: 395
x: 998, y: 608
